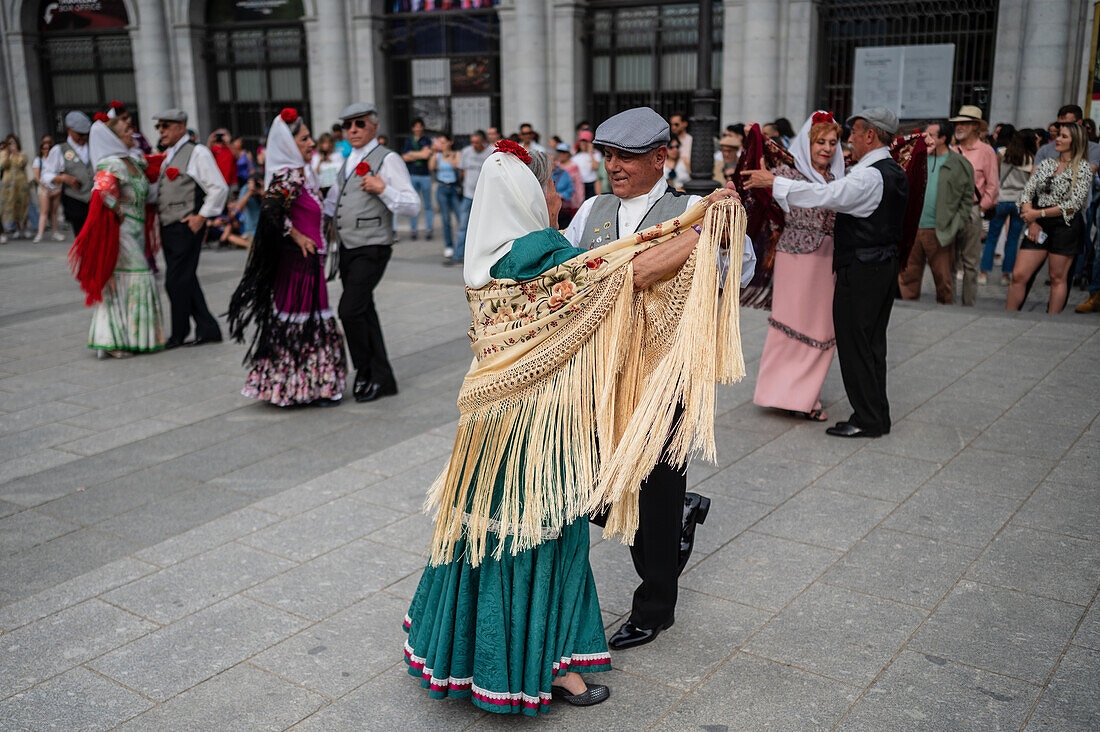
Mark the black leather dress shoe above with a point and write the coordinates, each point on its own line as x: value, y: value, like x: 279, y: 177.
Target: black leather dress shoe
x: 696, y: 508
x: 630, y: 635
x: 172, y: 343
x: 594, y: 694
x: 847, y: 429
x: 203, y: 341
x: 373, y: 390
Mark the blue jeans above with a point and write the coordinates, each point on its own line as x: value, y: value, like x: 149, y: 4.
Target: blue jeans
x: 464, y: 207
x: 422, y: 184
x: 250, y: 216
x: 1004, y: 210
x: 449, y: 198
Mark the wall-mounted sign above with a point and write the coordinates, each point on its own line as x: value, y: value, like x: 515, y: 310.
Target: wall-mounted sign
x: 245, y: 11
x: 431, y: 77
x: 913, y: 81
x: 70, y: 15
x: 470, y: 114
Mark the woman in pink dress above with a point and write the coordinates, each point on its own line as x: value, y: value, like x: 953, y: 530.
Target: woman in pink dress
x: 801, y: 342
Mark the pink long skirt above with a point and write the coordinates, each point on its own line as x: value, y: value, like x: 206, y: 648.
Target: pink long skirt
x: 801, y: 340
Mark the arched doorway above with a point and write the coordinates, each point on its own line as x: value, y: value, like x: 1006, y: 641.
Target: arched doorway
x: 85, y: 57
x: 256, y: 58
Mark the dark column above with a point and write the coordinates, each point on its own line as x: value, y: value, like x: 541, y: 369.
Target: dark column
x: 704, y: 120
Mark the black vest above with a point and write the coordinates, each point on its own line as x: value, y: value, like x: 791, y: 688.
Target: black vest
x: 877, y: 237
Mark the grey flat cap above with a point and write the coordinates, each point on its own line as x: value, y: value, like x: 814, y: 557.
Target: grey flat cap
x: 171, y: 115
x: 356, y: 110
x: 636, y: 130
x: 880, y: 117
x: 78, y: 122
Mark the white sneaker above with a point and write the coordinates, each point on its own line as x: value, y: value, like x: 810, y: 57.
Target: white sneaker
x: 983, y: 278
x: 37, y: 238
x: 58, y: 236
x: 448, y: 252
x: 3, y: 239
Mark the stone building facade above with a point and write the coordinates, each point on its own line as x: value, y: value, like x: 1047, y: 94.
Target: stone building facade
x: 468, y: 63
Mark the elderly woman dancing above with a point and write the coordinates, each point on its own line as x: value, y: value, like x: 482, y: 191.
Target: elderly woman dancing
x: 581, y: 358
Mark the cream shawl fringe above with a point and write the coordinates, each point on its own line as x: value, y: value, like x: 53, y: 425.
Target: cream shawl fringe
x: 571, y: 421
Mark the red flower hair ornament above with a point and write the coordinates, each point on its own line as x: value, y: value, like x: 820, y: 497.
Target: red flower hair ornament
x: 507, y: 146
x: 102, y: 117
x: 822, y: 118
x: 289, y: 115
x: 362, y: 169
x: 117, y: 105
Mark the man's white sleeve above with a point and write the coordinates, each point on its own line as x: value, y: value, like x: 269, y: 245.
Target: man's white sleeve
x: 52, y: 167
x: 575, y: 232
x: 206, y: 173
x: 858, y: 193
x: 399, y: 196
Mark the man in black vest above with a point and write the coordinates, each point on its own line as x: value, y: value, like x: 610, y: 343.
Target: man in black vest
x: 870, y: 204
x: 635, y: 146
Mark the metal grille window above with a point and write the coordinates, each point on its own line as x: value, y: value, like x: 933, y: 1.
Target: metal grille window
x: 645, y: 55
x: 850, y: 24
x: 85, y: 73
x: 257, y: 71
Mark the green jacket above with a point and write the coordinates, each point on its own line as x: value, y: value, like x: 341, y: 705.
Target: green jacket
x: 954, y: 197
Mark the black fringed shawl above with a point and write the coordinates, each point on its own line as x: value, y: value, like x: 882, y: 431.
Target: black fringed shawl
x: 274, y: 262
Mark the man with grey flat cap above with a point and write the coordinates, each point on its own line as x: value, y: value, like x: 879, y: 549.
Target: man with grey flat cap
x: 870, y: 202
x: 69, y: 166
x: 189, y: 191
x: 634, y: 144
x: 372, y: 187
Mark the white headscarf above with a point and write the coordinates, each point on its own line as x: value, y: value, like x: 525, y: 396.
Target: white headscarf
x: 800, y: 149
x: 104, y: 143
x: 508, y: 203
x: 282, y: 152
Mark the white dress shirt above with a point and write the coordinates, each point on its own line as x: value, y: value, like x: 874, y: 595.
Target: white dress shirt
x: 55, y: 162
x: 633, y: 210
x: 858, y: 193
x: 206, y: 174
x: 398, y: 196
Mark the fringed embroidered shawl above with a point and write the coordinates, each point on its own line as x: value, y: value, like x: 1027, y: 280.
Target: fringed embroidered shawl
x: 574, y: 387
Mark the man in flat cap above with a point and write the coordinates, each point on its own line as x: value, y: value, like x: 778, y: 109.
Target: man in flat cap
x: 190, y: 190
x: 870, y: 203
x: 372, y: 187
x: 69, y: 166
x: 634, y: 146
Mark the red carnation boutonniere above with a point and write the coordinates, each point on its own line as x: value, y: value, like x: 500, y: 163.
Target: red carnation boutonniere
x: 102, y: 117
x: 507, y: 146
x: 822, y: 117
x: 362, y: 169
x: 171, y: 173
x: 289, y: 115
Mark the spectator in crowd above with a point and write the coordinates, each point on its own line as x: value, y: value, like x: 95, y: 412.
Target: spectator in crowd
x: 1051, y: 205
x: 564, y: 185
x: 729, y: 149
x: 1016, y: 166
x: 448, y: 190
x: 416, y: 154
x: 948, y: 203
x: 1090, y: 129
x: 529, y: 138
x: 678, y: 123
x: 1002, y: 136
x: 983, y: 159
x: 15, y: 189
x: 49, y: 198
x: 341, y: 145
x: 470, y: 160
x: 326, y: 163
x: 589, y: 162
x: 1069, y: 114
x: 492, y: 136
x: 785, y: 130
x: 676, y: 170
x: 771, y: 132
x: 243, y: 158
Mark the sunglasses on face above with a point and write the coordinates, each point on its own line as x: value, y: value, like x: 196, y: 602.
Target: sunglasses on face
x: 359, y: 124
x: 164, y: 125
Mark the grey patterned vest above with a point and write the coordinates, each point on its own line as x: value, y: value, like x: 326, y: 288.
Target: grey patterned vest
x: 362, y: 220
x: 78, y: 169
x: 182, y: 196
x: 603, y: 218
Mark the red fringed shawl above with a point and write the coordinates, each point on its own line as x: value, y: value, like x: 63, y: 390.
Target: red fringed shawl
x: 912, y: 155
x: 94, y: 254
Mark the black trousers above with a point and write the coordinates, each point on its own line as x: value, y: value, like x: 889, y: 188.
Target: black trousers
x: 862, y: 302
x: 361, y: 268
x: 181, y: 281
x: 76, y: 212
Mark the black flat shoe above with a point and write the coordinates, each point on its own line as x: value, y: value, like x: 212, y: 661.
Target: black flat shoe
x: 202, y: 341
x: 631, y: 636
x: 373, y: 390
x: 172, y: 343
x: 595, y: 694
x: 322, y: 402
x: 847, y: 429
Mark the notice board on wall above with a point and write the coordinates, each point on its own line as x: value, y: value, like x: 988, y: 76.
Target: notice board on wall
x: 913, y: 81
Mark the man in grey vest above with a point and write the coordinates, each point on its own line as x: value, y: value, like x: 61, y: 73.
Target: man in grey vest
x: 634, y: 144
x: 69, y: 166
x: 190, y: 190
x: 372, y: 187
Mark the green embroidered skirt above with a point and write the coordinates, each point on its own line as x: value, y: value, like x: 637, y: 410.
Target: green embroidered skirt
x: 499, y: 633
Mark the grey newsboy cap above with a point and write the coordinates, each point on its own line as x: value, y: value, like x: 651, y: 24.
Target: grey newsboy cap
x: 636, y: 130
x: 356, y: 110
x: 880, y: 117
x: 171, y: 115
x: 78, y: 122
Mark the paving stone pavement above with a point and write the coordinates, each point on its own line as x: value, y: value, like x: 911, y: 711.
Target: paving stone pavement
x: 175, y: 556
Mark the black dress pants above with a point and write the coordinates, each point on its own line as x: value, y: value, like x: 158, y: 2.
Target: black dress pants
x: 862, y: 302
x: 76, y: 212
x: 181, y: 281
x: 656, y: 549
x: 361, y: 268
